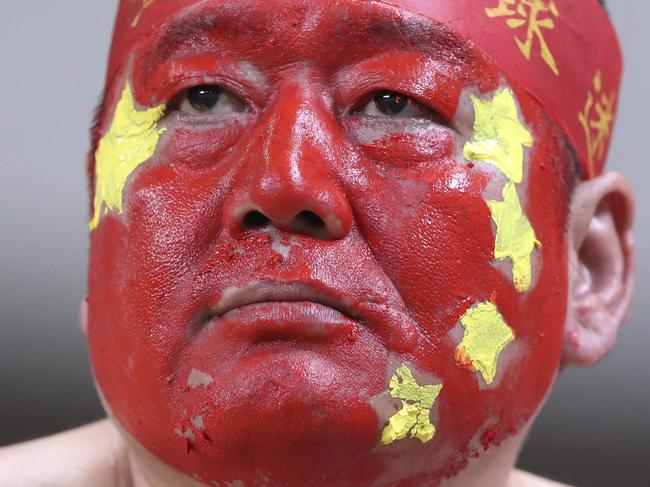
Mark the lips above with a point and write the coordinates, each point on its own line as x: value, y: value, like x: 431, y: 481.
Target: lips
x: 295, y: 321
x: 272, y: 310
x: 274, y: 291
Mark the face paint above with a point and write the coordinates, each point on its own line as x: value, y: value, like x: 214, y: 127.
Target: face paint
x: 499, y: 137
x: 486, y: 335
x: 130, y: 141
x: 413, y: 418
x: 281, y: 342
x: 547, y: 45
x: 515, y: 239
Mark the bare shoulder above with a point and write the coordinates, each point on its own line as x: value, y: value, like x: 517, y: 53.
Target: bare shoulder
x: 519, y: 478
x: 90, y: 455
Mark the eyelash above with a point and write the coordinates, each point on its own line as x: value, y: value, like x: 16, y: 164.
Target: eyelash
x: 430, y: 114
x: 176, y: 90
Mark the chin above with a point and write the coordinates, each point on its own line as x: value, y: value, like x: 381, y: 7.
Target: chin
x: 274, y: 418
x: 319, y: 461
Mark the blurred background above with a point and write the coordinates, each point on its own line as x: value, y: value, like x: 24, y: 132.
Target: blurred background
x: 595, y: 428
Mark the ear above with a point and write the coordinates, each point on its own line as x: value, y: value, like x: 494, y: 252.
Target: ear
x: 601, y: 267
x: 83, y: 315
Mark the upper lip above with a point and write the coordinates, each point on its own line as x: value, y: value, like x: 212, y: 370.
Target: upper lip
x: 276, y: 291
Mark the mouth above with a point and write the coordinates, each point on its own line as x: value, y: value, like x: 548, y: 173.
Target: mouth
x: 270, y: 310
x: 275, y: 292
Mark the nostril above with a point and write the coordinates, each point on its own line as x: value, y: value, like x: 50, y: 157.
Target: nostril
x: 309, y: 220
x: 256, y: 219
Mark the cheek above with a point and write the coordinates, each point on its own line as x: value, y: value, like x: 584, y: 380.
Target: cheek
x: 433, y: 236
x: 435, y: 239
x: 415, y: 153
x: 141, y: 262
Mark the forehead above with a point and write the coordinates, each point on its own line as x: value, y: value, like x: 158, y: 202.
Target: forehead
x: 285, y: 32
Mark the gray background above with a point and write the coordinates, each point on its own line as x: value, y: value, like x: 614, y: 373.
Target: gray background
x: 595, y: 429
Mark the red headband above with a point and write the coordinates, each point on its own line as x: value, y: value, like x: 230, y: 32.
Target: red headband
x: 564, y: 52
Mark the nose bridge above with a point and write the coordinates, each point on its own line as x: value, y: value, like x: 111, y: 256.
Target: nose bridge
x: 290, y: 178
x: 297, y: 143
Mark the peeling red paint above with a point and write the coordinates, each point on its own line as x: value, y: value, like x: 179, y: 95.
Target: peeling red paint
x: 412, y: 250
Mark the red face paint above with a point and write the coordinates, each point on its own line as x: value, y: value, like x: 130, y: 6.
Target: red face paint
x: 285, y: 391
x: 548, y: 46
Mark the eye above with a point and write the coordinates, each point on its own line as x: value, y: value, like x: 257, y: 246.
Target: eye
x: 394, y: 105
x: 209, y: 100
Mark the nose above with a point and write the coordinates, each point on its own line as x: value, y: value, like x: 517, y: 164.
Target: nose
x: 307, y: 222
x: 288, y: 177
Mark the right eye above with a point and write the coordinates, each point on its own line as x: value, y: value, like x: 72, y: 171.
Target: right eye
x: 390, y: 104
x: 210, y: 100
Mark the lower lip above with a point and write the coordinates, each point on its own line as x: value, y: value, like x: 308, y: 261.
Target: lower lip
x: 286, y: 321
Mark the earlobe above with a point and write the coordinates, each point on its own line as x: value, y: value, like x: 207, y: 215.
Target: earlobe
x: 601, y: 268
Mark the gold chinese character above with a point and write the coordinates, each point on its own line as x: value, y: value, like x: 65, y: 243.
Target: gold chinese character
x: 145, y: 4
x: 596, y: 119
x: 529, y: 13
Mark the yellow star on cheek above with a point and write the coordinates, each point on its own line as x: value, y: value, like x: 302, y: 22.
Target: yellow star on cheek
x: 499, y: 136
x: 413, y: 418
x: 486, y: 335
x: 130, y: 141
x: 515, y: 237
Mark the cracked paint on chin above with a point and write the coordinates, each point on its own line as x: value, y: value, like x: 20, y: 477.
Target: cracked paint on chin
x: 130, y: 141
x: 486, y: 335
x: 413, y: 418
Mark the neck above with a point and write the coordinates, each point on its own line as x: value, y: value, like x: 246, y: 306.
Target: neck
x: 494, y: 467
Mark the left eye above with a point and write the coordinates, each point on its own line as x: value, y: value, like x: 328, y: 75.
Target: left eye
x: 394, y: 105
x: 210, y: 100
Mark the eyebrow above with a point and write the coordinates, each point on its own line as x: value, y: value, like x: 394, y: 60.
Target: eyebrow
x: 191, y: 32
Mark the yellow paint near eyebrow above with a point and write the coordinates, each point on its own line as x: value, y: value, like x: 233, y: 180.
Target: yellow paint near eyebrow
x: 413, y: 418
x: 499, y: 136
x: 131, y: 140
x: 515, y: 237
x: 486, y: 335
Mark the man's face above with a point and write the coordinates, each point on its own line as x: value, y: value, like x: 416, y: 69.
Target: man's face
x: 309, y: 225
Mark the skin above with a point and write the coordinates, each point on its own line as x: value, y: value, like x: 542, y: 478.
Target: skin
x: 102, y: 455
x: 397, y: 247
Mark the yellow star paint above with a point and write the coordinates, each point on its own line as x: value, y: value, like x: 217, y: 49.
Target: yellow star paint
x: 515, y: 237
x: 499, y: 136
x: 486, y: 335
x: 413, y: 418
x: 130, y: 141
